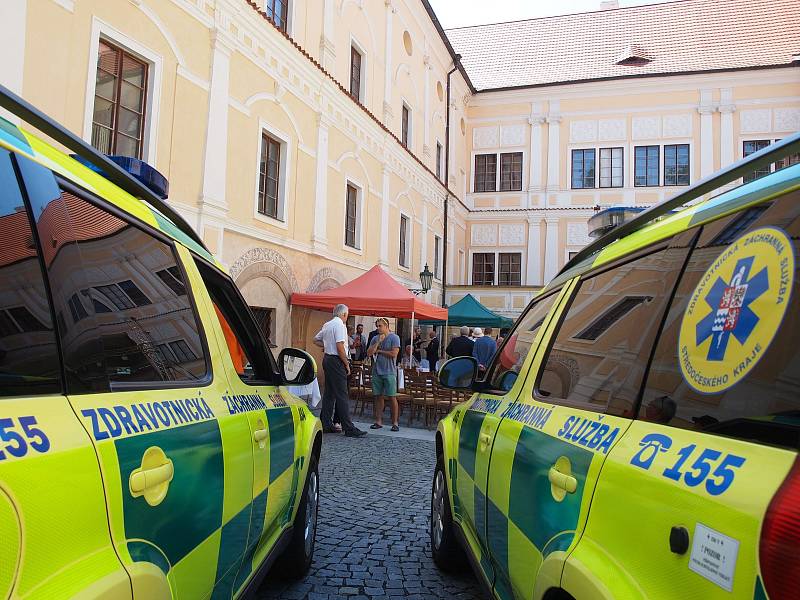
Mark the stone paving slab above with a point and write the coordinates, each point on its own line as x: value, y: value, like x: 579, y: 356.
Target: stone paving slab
x: 372, y: 540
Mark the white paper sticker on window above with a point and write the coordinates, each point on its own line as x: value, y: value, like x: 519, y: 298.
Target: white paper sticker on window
x: 714, y: 556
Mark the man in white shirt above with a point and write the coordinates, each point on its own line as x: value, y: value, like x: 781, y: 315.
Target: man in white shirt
x: 333, y: 339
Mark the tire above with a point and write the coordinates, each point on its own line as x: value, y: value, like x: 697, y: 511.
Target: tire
x: 295, y: 561
x: 446, y: 550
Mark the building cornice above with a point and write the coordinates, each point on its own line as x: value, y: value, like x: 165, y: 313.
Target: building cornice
x: 651, y: 83
x: 636, y: 77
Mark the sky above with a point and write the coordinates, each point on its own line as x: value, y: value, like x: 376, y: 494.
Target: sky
x: 460, y: 13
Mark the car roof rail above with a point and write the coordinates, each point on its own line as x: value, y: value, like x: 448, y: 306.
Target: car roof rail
x: 33, y: 116
x: 762, y: 158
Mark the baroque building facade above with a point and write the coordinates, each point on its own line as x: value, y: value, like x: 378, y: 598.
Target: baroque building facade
x: 308, y: 140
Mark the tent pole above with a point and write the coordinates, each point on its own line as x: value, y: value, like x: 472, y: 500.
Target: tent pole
x: 412, y: 341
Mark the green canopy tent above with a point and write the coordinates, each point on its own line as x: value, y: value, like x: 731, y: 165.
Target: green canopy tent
x: 468, y: 311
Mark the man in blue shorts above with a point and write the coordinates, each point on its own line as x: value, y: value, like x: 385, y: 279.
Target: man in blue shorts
x: 384, y: 349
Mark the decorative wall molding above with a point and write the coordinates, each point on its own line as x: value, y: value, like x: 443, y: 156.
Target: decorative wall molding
x: 755, y: 120
x: 578, y: 234
x: 679, y: 126
x: 582, y: 131
x: 512, y: 234
x: 512, y: 135
x: 612, y: 130
x: 786, y: 119
x: 486, y: 137
x: 267, y: 262
x: 484, y: 234
x: 646, y: 128
x: 326, y: 274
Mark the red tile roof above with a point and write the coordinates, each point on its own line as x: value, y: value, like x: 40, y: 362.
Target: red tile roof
x: 680, y: 37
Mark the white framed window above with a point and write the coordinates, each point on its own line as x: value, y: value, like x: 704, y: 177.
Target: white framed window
x: 750, y: 146
x: 273, y: 153
x: 439, y: 161
x: 405, y: 126
x: 654, y: 163
x: 498, y: 171
x: 404, y: 255
x: 358, y: 71
x: 353, y: 201
x: 612, y: 167
x: 495, y: 267
x: 121, y: 111
x: 280, y: 13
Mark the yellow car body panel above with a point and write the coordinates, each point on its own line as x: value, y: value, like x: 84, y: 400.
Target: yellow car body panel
x: 598, y: 505
x: 74, y: 518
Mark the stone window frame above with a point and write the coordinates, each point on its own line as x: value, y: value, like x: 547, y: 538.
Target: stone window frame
x: 111, y: 35
x: 284, y: 168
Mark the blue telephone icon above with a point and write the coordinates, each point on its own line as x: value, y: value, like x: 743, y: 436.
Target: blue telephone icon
x: 651, y: 444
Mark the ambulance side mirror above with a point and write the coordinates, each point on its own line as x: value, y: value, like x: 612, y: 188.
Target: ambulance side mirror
x: 297, y: 367
x: 459, y: 373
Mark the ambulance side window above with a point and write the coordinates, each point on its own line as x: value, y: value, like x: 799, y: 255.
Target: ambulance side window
x: 509, y: 358
x: 728, y: 359
x: 604, y: 341
x: 29, y: 362
x: 249, y: 354
x: 121, y: 325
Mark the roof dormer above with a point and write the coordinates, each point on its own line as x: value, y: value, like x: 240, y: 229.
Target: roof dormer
x: 633, y: 55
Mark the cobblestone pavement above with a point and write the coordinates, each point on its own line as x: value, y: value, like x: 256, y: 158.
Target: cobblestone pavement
x: 372, y: 540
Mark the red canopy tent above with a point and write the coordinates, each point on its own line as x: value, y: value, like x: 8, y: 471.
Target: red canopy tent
x: 374, y: 293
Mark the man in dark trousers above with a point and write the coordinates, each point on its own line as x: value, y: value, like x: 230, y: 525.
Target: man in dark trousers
x: 336, y: 364
x: 460, y: 346
x: 432, y: 351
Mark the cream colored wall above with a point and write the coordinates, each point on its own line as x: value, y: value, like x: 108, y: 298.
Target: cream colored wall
x: 226, y: 74
x: 546, y: 124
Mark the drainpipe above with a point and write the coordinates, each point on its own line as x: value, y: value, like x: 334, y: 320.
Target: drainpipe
x: 456, y: 61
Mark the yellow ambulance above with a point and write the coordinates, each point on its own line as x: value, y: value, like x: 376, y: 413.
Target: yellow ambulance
x: 637, y: 433
x: 148, y: 448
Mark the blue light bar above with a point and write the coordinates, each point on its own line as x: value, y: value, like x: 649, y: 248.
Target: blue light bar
x: 139, y: 169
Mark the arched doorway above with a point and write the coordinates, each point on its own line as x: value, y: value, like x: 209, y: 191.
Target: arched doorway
x: 266, y: 281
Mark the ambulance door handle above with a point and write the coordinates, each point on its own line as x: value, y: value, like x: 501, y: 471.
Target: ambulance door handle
x: 260, y: 436
x: 143, y: 479
x: 151, y: 480
x: 561, y: 480
x: 485, y: 440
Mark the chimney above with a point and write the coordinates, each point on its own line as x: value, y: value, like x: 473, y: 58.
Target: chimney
x: 609, y: 4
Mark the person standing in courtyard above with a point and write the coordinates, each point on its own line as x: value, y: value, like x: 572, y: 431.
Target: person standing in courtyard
x: 462, y: 345
x: 484, y: 349
x: 358, y: 343
x: 432, y: 351
x: 333, y: 339
x: 384, y: 350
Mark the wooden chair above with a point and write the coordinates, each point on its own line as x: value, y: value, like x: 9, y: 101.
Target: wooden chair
x: 404, y: 400
x: 418, y: 391
x: 442, y: 400
x: 354, y: 386
x: 366, y: 389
